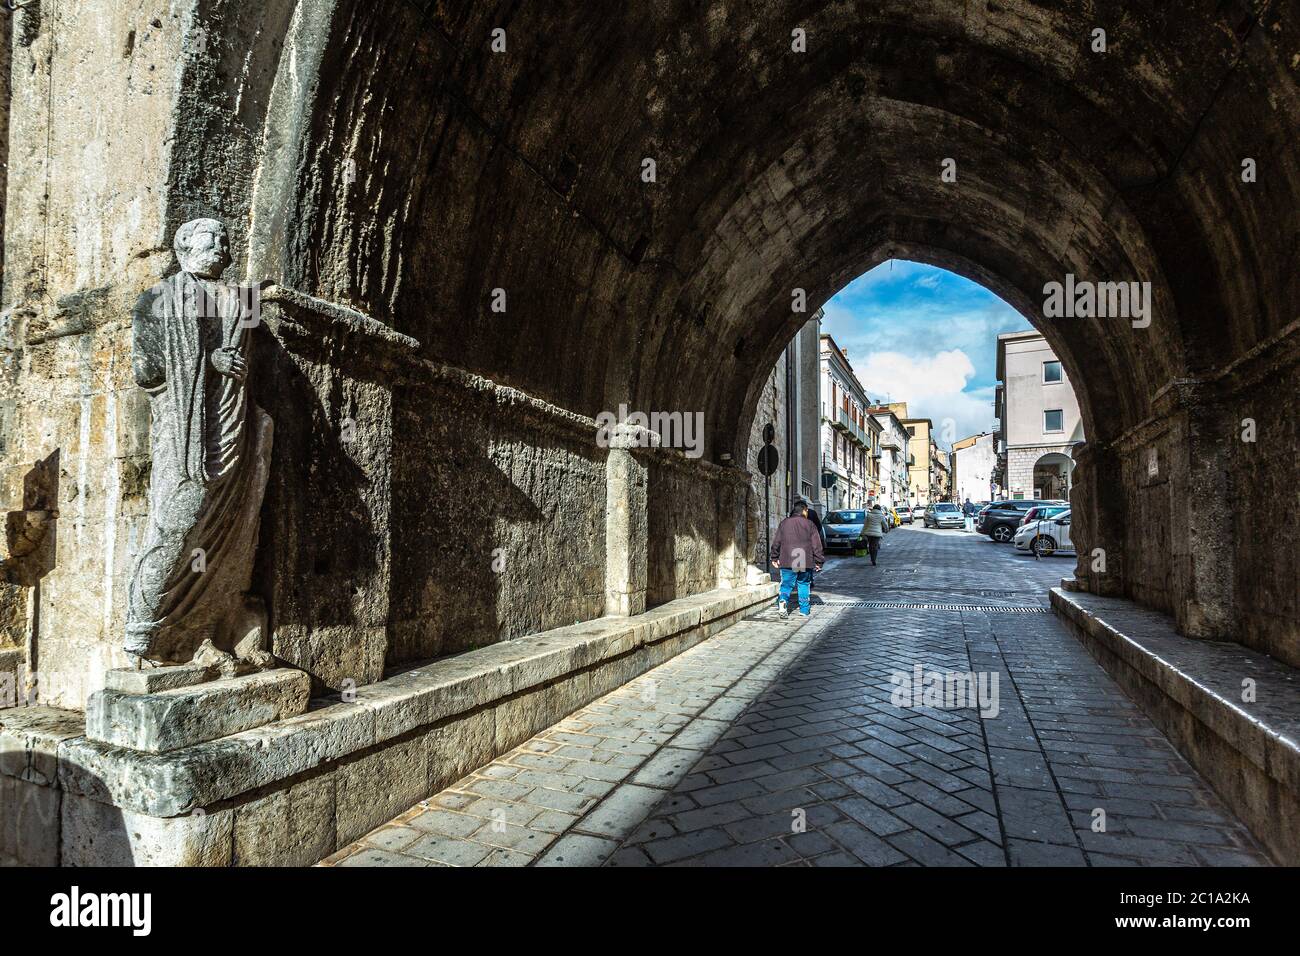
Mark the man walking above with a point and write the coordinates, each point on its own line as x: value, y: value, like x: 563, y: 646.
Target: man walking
x: 873, y: 528
x: 821, y: 532
x: 797, y: 551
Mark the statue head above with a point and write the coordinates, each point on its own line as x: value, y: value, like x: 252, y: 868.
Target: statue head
x: 203, y: 248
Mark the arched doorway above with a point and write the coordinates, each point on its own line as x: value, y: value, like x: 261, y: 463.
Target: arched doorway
x: 1052, y: 476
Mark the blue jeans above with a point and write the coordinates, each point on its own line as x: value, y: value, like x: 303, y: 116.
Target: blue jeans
x: 789, y: 577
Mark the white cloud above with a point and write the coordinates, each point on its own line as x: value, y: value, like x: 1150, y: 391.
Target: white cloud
x: 934, y: 387
x: 918, y: 334
x: 915, y: 378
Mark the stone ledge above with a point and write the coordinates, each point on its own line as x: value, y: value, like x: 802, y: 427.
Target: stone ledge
x: 30, y: 739
x: 180, y: 717
x: 383, y: 715
x: 1191, y: 689
x: 327, y: 317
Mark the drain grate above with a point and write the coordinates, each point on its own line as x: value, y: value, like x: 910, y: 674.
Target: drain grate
x: 914, y: 606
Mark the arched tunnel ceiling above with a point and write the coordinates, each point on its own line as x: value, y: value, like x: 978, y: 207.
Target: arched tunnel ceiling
x: 776, y: 170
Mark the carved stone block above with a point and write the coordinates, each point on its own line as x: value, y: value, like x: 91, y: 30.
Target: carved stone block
x: 181, y: 717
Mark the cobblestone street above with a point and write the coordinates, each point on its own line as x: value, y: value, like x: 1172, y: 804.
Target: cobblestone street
x: 776, y: 743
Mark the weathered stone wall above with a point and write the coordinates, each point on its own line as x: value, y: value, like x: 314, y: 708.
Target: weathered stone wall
x: 13, y: 597
x: 683, y: 532
x: 90, y: 121
x: 1262, y: 501
x: 1149, y: 551
x: 414, y: 510
x: 499, y: 525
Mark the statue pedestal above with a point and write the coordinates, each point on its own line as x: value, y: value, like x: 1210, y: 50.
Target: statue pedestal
x: 168, y: 677
x: 151, y: 712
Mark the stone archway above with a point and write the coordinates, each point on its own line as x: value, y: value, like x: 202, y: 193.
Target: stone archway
x: 686, y: 283
x: 473, y: 252
x: 397, y: 169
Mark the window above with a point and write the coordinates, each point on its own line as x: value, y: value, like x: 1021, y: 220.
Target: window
x: 1054, y: 420
x: 1052, y: 372
x: 911, y: 430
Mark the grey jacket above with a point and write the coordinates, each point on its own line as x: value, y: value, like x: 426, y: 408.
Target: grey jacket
x: 874, y: 524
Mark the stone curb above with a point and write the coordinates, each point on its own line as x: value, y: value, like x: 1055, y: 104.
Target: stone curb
x: 1190, y: 690
x: 354, y: 763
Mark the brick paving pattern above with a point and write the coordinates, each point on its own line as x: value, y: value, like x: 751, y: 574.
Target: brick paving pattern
x: 776, y: 743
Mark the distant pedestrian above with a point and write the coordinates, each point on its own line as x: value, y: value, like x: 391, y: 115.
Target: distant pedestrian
x: 873, y: 527
x: 797, y: 552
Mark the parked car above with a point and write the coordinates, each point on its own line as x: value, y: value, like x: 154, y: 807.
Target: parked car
x: 918, y: 513
x: 1001, y: 518
x: 944, y: 514
x: 1039, y: 512
x: 844, y: 530
x: 904, y: 516
x: 1044, y: 536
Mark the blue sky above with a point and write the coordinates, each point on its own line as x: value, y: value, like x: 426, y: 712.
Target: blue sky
x: 922, y: 335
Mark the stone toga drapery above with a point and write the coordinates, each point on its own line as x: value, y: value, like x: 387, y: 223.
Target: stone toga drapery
x: 211, y: 450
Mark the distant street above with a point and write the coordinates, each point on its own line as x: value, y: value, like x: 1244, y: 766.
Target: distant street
x: 778, y: 743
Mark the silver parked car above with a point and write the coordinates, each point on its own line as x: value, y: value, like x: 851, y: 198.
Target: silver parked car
x: 944, y: 514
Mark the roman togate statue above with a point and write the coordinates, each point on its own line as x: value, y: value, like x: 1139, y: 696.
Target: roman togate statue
x: 211, y: 450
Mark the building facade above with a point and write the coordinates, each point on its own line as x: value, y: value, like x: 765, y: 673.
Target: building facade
x: 850, y: 436
x: 894, y: 457
x: 1039, y: 419
x: 974, y: 461
x: 921, y: 469
x: 941, y: 473
x: 790, y: 403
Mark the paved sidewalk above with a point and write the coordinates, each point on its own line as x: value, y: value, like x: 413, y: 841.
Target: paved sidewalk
x: 776, y: 743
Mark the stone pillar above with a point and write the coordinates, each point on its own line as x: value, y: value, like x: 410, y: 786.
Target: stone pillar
x: 733, y: 544
x: 1097, y: 517
x: 1202, y: 505
x: 626, y: 525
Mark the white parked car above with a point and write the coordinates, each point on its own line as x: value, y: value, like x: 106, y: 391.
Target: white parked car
x: 1048, y: 536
